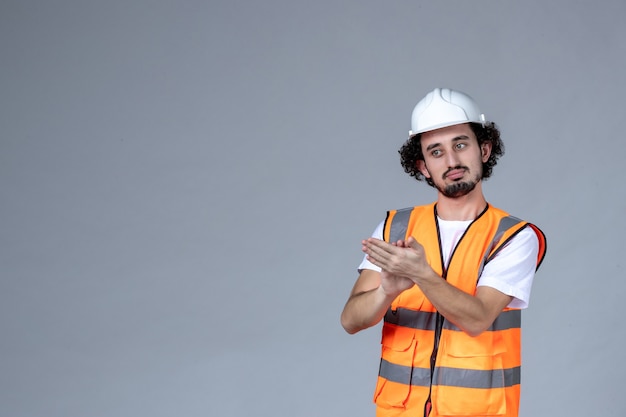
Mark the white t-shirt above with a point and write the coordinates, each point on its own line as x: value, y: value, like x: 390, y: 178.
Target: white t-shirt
x: 511, y: 271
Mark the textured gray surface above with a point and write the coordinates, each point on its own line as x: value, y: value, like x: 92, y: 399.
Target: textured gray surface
x: 185, y: 186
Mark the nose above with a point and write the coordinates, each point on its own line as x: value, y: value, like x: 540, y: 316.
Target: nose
x: 452, y: 159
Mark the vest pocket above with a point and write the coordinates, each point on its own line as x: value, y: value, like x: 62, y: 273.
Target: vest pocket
x: 394, y: 381
x: 469, y: 379
x: 458, y: 401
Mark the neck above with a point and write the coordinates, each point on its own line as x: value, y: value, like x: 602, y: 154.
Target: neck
x: 467, y: 207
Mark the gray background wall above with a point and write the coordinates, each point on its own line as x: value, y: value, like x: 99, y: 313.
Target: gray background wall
x: 185, y: 186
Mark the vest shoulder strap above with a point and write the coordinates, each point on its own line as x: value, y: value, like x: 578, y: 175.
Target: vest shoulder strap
x: 397, y: 221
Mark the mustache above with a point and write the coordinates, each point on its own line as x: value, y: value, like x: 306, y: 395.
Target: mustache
x: 463, y: 167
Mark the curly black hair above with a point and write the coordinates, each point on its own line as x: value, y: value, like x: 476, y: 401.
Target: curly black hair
x: 411, y: 151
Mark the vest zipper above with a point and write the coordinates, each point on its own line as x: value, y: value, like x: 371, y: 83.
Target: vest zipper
x: 433, y: 360
x: 439, y: 318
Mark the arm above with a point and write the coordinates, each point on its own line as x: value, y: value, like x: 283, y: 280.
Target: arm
x: 370, y: 298
x: 367, y: 303
x: 472, y: 313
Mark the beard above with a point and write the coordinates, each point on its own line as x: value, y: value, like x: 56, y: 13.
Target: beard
x: 459, y: 188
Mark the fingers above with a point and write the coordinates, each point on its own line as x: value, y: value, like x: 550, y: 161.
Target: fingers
x: 414, y: 244
x: 383, y: 249
x: 378, y: 252
x: 403, y: 258
x: 377, y: 247
x: 382, y: 253
x: 373, y: 242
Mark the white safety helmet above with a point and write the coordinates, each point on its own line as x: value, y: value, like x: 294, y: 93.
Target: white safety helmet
x: 442, y: 108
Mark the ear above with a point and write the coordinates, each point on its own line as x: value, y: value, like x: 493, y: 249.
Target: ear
x: 485, y: 150
x: 421, y: 167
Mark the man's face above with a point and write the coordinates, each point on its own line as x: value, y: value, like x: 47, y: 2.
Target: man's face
x: 453, y: 159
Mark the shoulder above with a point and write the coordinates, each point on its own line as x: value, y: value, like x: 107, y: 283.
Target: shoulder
x: 505, y: 221
x: 398, y: 222
x: 404, y: 214
x: 525, y: 237
x: 424, y: 207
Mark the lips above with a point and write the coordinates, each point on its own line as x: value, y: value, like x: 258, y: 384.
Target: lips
x: 455, y: 174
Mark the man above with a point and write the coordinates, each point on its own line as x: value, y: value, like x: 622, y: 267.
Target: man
x: 449, y: 279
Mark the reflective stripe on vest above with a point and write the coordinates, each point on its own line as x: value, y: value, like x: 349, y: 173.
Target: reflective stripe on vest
x: 425, y: 320
x: 466, y: 378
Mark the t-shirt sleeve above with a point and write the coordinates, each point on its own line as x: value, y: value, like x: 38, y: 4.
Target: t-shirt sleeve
x: 512, y: 270
x: 365, y: 264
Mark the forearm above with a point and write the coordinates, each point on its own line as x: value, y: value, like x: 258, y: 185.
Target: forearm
x: 471, y: 313
x: 365, y: 309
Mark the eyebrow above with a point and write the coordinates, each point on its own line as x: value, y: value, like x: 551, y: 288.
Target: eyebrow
x: 435, y: 145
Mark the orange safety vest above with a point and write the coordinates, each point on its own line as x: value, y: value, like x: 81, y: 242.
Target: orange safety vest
x: 428, y: 363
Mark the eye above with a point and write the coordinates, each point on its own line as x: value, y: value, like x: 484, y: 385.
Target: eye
x: 436, y: 153
x: 460, y: 145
